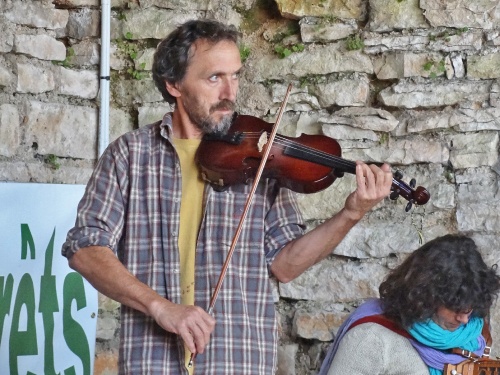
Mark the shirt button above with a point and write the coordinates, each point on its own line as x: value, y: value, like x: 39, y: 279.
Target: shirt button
x: 176, y: 200
x: 174, y: 233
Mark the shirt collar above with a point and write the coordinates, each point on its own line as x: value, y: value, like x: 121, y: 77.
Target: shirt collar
x: 166, y: 126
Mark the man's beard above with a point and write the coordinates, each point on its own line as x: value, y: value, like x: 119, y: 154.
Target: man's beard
x: 208, y: 125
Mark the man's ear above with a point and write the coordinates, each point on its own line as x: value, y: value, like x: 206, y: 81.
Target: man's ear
x: 172, y: 89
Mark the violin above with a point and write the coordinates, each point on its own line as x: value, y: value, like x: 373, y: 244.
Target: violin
x: 305, y: 164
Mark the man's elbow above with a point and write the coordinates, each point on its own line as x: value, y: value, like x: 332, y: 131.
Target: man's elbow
x: 281, y: 275
x: 73, y: 262
x: 77, y: 261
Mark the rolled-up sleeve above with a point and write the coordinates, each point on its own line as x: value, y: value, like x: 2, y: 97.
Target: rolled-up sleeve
x: 284, y: 223
x: 100, y: 214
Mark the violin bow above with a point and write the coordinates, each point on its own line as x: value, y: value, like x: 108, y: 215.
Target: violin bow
x: 256, y: 180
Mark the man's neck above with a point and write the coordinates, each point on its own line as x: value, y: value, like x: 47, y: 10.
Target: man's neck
x: 182, y: 126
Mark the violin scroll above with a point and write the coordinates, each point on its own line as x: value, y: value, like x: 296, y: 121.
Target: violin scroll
x: 413, y: 195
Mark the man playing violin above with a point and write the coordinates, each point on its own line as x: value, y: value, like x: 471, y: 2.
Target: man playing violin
x: 153, y: 236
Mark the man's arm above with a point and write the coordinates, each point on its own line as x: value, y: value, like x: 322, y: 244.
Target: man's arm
x: 373, y: 184
x: 108, y: 275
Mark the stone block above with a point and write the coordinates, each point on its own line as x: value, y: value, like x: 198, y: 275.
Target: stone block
x: 407, y: 94
x: 481, y: 14
x: 79, y: 83
x: 478, y: 204
x: 135, y: 92
x: 36, y: 15
x: 35, y: 79
x: 354, y: 9
x: 85, y: 53
x: 106, y: 363
x: 340, y: 282
x: 62, y: 130
x: 471, y: 120
x: 7, y: 30
x: 9, y: 129
x: 402, y: 152
x: 83, y: 23
x: 387, y: 15
x: 37, y: 171
x: 422, y: 40
x: 150, y: 114
x: 43, y: 47
x: 317, y: 325
x: 286, y: 359
x: 424, y: 121
x: 178, y: 4
x: 363, y: 118
x: 151, y: 23
x: 483, y: 67
x: 6, y: 75
x: 314, y: 29
x: 120, y: 122
x: 315, y: 60
x: 473, y: 149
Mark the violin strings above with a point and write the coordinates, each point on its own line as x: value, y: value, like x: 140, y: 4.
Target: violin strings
x: 284, y: 142
x: 312, y: 151
x: 348, y: 165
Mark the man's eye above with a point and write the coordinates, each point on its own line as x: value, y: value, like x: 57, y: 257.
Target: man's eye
x: 213, y: 78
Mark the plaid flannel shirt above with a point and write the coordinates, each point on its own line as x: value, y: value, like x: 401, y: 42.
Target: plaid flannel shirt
x: 132, y: 204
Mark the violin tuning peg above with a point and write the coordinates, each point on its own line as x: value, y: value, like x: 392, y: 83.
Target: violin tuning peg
x: 394, y: 195
x: 409, y: 206
x: 398, y: 175
x: 413, y: 183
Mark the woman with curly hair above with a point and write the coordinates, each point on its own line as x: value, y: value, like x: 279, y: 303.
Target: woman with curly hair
x: 438, y: 299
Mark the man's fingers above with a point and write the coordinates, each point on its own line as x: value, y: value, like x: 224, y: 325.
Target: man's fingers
x: 193, y: 324
x: 373, y: 182
x: 361, y: 177
x: 199, y: 326
x: 386, y: 168
x: 188, y: 339
x: 195, y: 338
x: 384, y: 178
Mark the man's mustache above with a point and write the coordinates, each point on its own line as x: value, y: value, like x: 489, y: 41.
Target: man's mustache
x: 225, y: 105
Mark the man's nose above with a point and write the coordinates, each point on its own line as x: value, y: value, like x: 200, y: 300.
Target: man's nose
x: 229, y: 90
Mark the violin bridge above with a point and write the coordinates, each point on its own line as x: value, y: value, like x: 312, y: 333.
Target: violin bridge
x: 262, y: 141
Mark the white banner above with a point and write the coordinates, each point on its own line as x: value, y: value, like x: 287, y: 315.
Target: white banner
x: 48, y: 312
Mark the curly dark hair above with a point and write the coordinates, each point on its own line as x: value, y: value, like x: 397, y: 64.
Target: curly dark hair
x: 445, y: 272
x: 173, y: 53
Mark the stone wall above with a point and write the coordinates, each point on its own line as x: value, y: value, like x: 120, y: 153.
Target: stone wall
x: 413, y: 83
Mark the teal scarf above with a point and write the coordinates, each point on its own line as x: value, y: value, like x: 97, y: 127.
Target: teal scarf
x: 433, y: 336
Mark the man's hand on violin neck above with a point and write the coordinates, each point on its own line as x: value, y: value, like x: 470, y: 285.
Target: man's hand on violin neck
x: 192, y: 323
x: 373, y: 185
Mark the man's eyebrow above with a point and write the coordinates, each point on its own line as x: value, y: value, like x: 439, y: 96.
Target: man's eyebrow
x: 220, y: 72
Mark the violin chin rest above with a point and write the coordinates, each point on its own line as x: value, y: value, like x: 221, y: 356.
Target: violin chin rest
x: 218, y: 188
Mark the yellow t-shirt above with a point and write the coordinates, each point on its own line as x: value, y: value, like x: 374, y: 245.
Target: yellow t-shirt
x: 191, y: 215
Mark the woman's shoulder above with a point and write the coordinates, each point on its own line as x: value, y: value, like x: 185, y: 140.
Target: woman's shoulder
x: 379, y: 349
